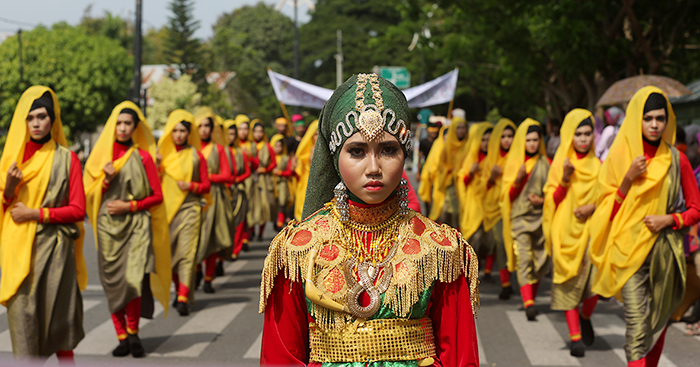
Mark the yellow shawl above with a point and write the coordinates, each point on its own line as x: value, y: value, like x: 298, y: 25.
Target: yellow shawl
x: 492, y: 209
x: 217, y: 128
x: 227, y: 125
x: 303, y: 168
x: 445, y: 168
x: 515, y: 159
x: 94, y: 175
x: 429, y: 174
x: 176, y: 166
x: 17, y: 240
x: 566, y: 238
x: 619, y: 247
x: 471, y: 198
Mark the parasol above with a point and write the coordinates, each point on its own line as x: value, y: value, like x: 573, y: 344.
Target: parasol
x: 623, y: 90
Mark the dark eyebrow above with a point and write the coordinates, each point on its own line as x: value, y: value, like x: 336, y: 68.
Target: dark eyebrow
x: 388, y: 143
x: 356, y: 144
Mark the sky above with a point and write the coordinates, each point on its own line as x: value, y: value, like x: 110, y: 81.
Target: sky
x: 26, y: 14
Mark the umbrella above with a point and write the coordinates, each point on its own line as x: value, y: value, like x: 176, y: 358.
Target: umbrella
x: 623, y: 90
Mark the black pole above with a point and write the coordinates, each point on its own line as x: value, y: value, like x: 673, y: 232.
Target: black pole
x: 137, y: 56
x: 296, y: 42
x: 21, y: 67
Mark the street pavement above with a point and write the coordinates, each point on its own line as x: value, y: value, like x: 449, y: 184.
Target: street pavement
x: 225, y: 328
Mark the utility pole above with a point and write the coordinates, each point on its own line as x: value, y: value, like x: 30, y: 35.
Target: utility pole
x: 339, y: 59
x: 21, y: 67
x: 137, y: 56
x: 296, y: 41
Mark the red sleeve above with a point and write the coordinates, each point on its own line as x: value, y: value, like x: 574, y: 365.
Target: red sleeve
x: 285, y: 340
x: 691, y: 195
x: 224, y: 176
x: 467, y: 180
x: 515, y: 191
x: 273, y: 161
x: 287, y: 172
x: 152, y: 175
x: 246, y: 173
x: 453, y: 324
x: 560, y: 194
x: 75, y: 210
x: 413, y: 202
x: 203, y: 186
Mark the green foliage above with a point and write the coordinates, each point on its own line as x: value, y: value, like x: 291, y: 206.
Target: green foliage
x: 154, y: 46
x: 181, y: 48
x: 90, y: 74
x: 110, y: 26
x: 170, y: 95
x: 247, y: 40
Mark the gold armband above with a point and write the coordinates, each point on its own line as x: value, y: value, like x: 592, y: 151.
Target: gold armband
x: 45, y: 215
x: 134, y: 206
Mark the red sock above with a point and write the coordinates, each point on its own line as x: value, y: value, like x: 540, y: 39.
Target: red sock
x: 261, y: 229
x: 652, y: 358
x: 238, y: 239
x: 65, y: 357
x: 120, y: 324
x: 505, y: 278
x: 183, y: 293
x: 526, y: 294
x: 133, y: 315
x: 535, y: 287
x: 489, y: 264
x: 280, y: 219
x: 573, y: 324
x: 210, y: 271
x: 176, y: 280
x: 588, y: 306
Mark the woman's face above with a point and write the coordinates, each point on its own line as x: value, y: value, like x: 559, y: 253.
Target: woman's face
x: 485, y: 142
x: 654, y: 124
x: 243, y: 131
x: 180, y: 134
x: 125, y: 127
x: 38, y: 123
x: 232, y: 133
x: 583, y: 138
x: 371, y: 170
x: 532, y: 142
x: 278, y: 148
x: 205, y: 128
x: 258, y: 133
x: 506, y: 139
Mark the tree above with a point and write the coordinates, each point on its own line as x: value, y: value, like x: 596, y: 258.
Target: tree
x: 90, y: 74
x: 170, y: 95
x: 181, y: 48
x: 154, y: 46
x: 246, y: 41
x: 110, y: 26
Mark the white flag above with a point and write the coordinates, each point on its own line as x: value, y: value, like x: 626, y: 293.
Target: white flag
x: 434, y: 92
x: 297, y: 93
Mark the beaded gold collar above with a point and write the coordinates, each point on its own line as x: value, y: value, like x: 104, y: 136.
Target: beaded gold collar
x: 373, y: 215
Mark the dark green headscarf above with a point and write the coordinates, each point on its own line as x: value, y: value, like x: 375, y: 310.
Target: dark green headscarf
x: 339, y: 121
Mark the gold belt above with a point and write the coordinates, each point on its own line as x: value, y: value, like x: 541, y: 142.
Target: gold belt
x: 374, y: 340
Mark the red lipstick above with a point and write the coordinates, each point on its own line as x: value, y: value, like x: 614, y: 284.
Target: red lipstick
x: 374, y: 186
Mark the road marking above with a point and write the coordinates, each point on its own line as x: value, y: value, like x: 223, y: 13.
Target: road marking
x: 482, y: 354
x: 254, y: 350
x: 541, y: 341
x: 195, y: 335
x: 6, y: 341
x: 612, y: 329
x: 102, y: 339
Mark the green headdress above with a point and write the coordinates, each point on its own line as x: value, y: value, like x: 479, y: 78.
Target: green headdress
x: 365, y: 103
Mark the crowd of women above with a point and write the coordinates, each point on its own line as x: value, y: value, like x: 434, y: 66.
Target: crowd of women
x: 610, y: 229
x: 365, y: 277
x: 163, y: 211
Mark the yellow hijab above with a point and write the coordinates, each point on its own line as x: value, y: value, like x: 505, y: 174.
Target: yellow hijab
x: 619, y: 247
x: 471, y: 198
x: 279, y: 137
x: 16, y: 241
x: 258, y: 144
x: 283, y: 120
x: 227, y: 125
x: 514, y: 159
x: 492, y: 210
x: 302, y: 170
x: 176, y: 166
x: 429, y: 175
x: 94, y: 175
x: 217, y: 131
x: 566, y: 238
x: 219, y: 136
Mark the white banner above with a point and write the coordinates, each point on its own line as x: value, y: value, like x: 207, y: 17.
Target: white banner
x: 297, y: 93
x: 434, y: 92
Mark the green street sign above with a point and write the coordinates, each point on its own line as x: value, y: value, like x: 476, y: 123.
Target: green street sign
x: 397, y: 75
